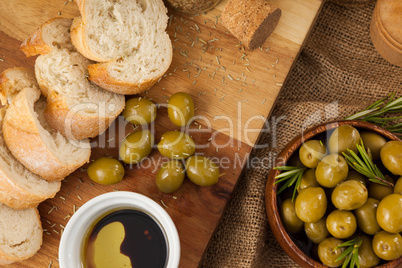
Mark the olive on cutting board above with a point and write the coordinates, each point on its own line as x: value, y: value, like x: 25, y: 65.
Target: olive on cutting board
x: 202, y: 171
x: 176, y: 145
x: 106, y: 170
x: 140, y: 111
x: 170, y: 176
x: 180, y: 109
x: 136, y: 146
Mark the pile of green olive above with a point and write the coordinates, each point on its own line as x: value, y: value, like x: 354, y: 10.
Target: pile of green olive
x: 177, y: 146
x: 335, y: 203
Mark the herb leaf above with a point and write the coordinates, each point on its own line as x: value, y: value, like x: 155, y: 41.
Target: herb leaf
x: 365, y: 166
x: 292, y: 175
x: 351, y: 253
x: 378, y: 112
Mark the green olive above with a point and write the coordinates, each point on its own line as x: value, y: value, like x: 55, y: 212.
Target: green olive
x: 289, y: 218
x: 170, y: 176
x: 311, y: 152
x: 308, y: 179
x: 331, y: 170
x: 202, y: 171
x: 329, y: 253
x: 341, y: 223
x: 139, y: 111
x: 367, y: 257
x: 176, y: 145
x: 106, y: 170
x: 374, y: 142
x: 366, y: 217
x: 311, y: 204
x: 389, y: 215
x: 349, y: 195
x: 378, y: 191
x: 391, y: 156
x: 316, y: 231
x: 398, y: 186
x: 354, y: 175
x: 387, y: 246
x: 180, y: 108
x: 343, y: 138
x: 136, y: 146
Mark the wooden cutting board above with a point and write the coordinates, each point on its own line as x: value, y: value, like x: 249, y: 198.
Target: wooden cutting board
x: 233, y: 90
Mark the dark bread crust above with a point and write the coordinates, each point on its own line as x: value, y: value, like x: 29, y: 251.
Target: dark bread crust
x: 250, y: 21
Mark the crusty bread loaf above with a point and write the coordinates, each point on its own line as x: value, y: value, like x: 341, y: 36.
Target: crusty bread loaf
x: 75, y: 107
x: 250, y: 21
x: 35, y: 144
x: 19, y: 188
x: 128, y: 37
x: 20, y: 234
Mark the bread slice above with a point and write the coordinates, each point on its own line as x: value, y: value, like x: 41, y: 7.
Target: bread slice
x: 75, y: 107
x: 35, y: 144
x: 20, y: 234
x: 129, y: 39
x: 19, y: 188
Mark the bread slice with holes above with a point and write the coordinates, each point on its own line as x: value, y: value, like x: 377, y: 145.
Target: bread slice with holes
x: 20, y: 234
x: 75, y: 107
x: 129, y: 39
x: 19, y: 188
x: 41, y: 149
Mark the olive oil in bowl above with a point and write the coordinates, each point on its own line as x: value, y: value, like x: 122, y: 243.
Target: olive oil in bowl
x: 126, y: 238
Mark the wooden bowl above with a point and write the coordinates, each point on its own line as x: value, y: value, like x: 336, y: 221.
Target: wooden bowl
x: 271, y: 201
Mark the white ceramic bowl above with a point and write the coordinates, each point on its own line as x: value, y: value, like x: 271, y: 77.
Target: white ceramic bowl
x: 72, y: 240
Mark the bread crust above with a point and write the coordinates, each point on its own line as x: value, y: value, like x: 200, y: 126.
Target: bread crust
x: 58, y: 113
x: 26, y: 144
x: 99, y: 74
x: 17, y: 197
x: 35, y: 44
x: 250, y: 21
x: 8, y: 259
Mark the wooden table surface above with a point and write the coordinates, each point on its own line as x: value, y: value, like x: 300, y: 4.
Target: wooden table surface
x: 234, y: 91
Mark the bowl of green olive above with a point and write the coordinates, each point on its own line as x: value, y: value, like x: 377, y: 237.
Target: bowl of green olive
x: 335, y: 196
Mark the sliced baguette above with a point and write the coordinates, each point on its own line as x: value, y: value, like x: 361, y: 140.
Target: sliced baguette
x: 129, y: 39
x: 35, y: 144
x: 75, y: 107
x: 20, y: 234
x: 19, y: 188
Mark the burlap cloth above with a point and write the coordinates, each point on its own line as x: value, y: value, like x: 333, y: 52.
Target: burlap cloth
x: 338, y: 72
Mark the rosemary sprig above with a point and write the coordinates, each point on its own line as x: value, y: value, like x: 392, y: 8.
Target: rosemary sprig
x: 377, y: 113
x: 292, y: 175
x: 351, y: 253
x: 365, y: 166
